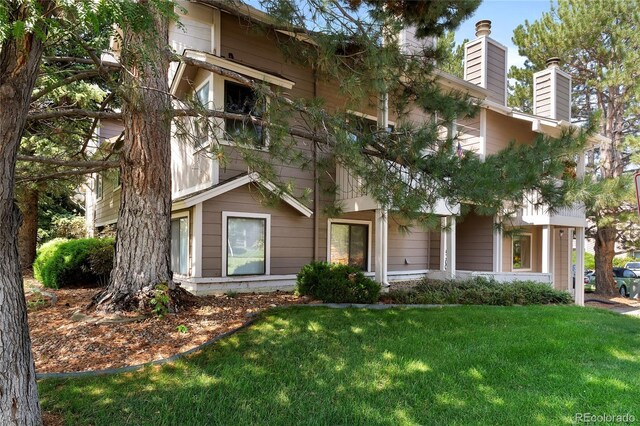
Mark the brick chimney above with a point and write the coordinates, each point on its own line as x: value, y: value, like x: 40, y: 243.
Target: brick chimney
x: 486, y: 63
x: 552, y: 92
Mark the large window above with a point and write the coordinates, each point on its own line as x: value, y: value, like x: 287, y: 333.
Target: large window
x: 247, y: 244
x: 180, y: 245
x: 242, y: 100
x: 349, y: 244
x: 522, y: 252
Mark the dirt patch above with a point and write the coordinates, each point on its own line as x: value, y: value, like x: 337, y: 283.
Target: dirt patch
x: 52, y: 419
x: 609, y: 302
x: 61, y: 344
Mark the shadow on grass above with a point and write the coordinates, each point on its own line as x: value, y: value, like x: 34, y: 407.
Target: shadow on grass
x: 464, y: 365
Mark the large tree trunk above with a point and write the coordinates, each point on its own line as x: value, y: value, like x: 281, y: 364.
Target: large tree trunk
x: 28, y: 233
x: 143, y: 241
x: 605, y: 250
x: 19, y: 62
x: 612, y: 167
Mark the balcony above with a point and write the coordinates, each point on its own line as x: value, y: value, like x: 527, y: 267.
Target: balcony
x: 353, y: 196
x: 534, y: 213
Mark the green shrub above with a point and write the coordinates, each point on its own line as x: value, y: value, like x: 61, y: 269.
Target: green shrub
x: 63, y: 262
x: 621, y: 261
x: 589, y: 260
x: 480, y: 291
x: 69, y: 226
x: 335, y: 283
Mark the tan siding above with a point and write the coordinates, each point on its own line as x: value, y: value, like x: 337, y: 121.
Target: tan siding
x: 543, y: 95
x: 408, y: 251
x: 291, y: 233
x: 106, y: 208
x: 194, y: 31
x: 469, y: 133
x: 496, y: 77
x: 474, y: 243
x: 474, y: 63
x: 501, y: 130
x: 434, y: 248
x: 563, y: 98
x: 259, y: 50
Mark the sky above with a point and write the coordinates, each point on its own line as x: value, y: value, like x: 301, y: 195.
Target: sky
x: 505, y: 16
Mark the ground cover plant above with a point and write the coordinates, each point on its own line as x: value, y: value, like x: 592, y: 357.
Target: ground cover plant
x: 479, y: 291
x: 452, y: 365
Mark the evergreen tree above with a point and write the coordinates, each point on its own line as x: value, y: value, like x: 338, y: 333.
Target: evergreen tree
x: 600, y: 46
x: 452, y: 60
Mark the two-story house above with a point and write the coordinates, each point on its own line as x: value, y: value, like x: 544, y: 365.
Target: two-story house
x: 224, y: 237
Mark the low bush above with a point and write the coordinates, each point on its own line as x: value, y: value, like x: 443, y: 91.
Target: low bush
x: 480, y: 291
x: 623, y: 260
x: 335, y: 283
x: 62, y: 262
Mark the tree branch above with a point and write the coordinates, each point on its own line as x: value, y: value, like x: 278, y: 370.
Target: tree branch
x: 64, y: 82
x: 67, y: 163
x: 73, y: 60
x: 73, y: 113
x: 63, y: 174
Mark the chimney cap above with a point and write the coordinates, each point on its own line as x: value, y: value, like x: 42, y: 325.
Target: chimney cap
x: 483, y: 28
x: 553, y: 62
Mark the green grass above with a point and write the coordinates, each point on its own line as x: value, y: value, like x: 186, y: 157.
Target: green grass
x: 459, y: 365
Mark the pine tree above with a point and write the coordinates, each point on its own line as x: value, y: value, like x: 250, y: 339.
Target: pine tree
x: 600, y: 46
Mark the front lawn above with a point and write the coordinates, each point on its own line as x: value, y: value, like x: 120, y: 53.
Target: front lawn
x: 458, y: 365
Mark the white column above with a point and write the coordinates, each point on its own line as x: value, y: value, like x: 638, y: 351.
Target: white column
x: 451, y: 248
x: 547, y: 250
x: 497, y: 248
x: 381, y: 251
x: 443, y: 244
x: 579, y: 292
x: 196, y: 242
x: 570, y: 287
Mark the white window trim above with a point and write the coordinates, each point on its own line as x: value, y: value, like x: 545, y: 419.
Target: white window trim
x: 180, y: 215
x: 101, y: 178
x: 224, y: 242
x: 119, y: 186
x: 227, y: 142
x: 530, y: 235
x: 368, y: 117
x: 338, y: 221
x: 197, y: 147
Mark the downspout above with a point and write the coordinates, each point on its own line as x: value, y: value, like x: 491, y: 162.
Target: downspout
x: 316, y: 185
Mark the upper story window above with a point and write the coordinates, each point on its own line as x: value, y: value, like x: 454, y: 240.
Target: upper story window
x: 240, y: 99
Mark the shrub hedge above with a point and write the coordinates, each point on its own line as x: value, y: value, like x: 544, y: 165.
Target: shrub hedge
x: 480, y: 291
x: 335, y: 283
x: 61, y: 262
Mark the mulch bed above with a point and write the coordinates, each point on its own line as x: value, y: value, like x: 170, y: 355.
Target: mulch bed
x: 595, y: 301
x: 61, y: 344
